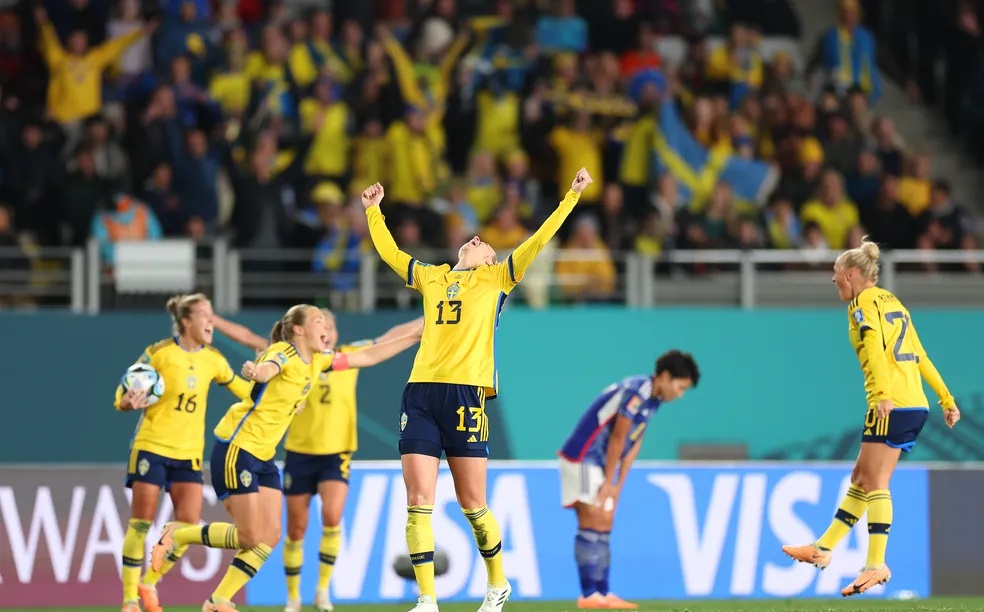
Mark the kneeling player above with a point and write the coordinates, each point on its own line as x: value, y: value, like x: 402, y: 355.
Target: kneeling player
x: 595, y: 460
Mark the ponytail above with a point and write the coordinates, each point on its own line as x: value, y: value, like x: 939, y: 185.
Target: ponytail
x: 277, y: 333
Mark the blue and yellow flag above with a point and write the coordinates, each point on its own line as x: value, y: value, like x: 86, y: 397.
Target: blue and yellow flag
x: 697, y: 169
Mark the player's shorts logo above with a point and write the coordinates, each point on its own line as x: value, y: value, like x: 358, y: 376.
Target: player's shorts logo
x: 246, y: 478
x: 287, y: 480
x: 403, y: 421
x: 191, y: 382
x: 143, y: 466
x: 453, y: 291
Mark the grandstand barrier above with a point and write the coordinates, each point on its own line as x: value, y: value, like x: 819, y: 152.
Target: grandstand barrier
x: 684, y: 530
x: 263, y: 278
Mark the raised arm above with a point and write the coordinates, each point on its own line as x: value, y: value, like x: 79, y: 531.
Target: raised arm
x: 381, y: 351
x: 526, y: 252
x: 382, y: 239
x: 240, y: 334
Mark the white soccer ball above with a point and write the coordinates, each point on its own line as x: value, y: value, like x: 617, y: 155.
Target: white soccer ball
x: 143, y: 377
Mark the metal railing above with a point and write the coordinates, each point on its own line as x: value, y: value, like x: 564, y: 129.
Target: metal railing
x: 42, y: 277
x: 245, y: 278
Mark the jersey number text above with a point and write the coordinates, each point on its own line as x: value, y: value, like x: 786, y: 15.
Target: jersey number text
x: 325, y: 395
x: 892, y: 317
x: 454, y: 310
x: 477, y: 416
x: 187, y: 406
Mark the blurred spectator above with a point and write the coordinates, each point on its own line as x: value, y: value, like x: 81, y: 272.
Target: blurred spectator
x: 887, y: 221
x: 847, y: 53
x: 864, y: 180
x: 585, y: 271
x: 946, y: 225
x: 340, y: 250
x: 832, y: 211
x: 12, y: 255
x: 564, y: 30
x: 123, y: 219
x: 783, y: 228
x: 504, y: 232
x: 914, y: 187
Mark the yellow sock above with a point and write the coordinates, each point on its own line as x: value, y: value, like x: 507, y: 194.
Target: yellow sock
x: 134, y: 545
x: 243, y: 567
x: 331, y: 542
x: 293, y: 559
x: 850, y: 512
x: 420, y: 542
x: 879, y: 523
x: 151, y: 578
x: 213, y: 535
x: 489, y: 541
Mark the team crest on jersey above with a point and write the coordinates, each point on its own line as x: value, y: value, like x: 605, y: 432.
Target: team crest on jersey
x: 453, y: 291
x: 287, y: 480
x: 143, y: 466
x: 858, y: 316
x: 246, y: 478
x: 403, y: 421
x: 281, y: 359
x: 191, y: 382
x: 307, y: 388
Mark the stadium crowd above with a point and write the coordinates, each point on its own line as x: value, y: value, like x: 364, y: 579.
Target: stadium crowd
x: 264, y: 120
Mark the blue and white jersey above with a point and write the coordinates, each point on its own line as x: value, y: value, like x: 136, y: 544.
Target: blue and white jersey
x: 632, y: 398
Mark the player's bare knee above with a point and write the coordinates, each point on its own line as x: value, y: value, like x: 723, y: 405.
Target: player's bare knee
x: 420, y: 498
x: 249, y: 536
x: 331, y: 518
x: 273, y: 535
x: 296, y: 530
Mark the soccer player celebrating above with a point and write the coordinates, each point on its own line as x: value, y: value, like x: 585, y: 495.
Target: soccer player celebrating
x: 596, y: 458
x: 320, y: 443
x: 167, y: 448
x: 244, y: 475
x: 894, y: 363
x: 443, y: 408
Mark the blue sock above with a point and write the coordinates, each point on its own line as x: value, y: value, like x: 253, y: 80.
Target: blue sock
x: 604, y: 562
x: 587, y: 553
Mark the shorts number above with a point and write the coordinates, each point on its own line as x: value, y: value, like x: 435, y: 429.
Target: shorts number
x: 325, y: 398
x: 187, y: 406
x: 477, y: 416
x: 454, y: 309
x: 892, y: 317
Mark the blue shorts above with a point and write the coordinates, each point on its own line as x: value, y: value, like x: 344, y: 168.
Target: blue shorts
x: 900, y: 431
x: 436, y: 417
x: 236, y: 472
x: 159, y: 470
x: 303, y: 473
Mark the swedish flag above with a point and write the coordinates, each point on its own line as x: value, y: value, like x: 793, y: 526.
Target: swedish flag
x: 697, y: 169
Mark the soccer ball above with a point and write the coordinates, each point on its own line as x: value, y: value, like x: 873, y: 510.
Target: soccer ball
x: 143, y: 377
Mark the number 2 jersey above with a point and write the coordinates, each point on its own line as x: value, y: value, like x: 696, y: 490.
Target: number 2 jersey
x: 259, y: 422
x: 892, y: 358
x: 632, y: 398
x: 174, y: 427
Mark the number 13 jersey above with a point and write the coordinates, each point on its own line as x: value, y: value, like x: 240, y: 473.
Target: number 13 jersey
x: 461, y: 313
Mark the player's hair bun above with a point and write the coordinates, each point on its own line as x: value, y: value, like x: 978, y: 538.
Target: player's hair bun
x: 870, y: 249
x: 172, y: 305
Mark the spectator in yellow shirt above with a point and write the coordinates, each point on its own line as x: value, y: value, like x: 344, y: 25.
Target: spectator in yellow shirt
x: 915, y: 186
x: 579, y: 146
x: 585, y: 271
x: 329, y: 155
x: 504, y: 233
x: 832, y: 211
x: 75, y: 85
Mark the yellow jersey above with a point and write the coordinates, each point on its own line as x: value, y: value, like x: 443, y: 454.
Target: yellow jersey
x: 892, y: 358
x: 258, y: 423
x: 174, y: 427
x: 328, y: 425
x: 462, y: 307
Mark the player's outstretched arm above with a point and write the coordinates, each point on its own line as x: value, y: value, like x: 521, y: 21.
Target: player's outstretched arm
x: 240, y: 334
x: 262, y: 372
x: 382, y: 239
x: 526, y: 252
x: 403, y: 329
x: 382, y: 351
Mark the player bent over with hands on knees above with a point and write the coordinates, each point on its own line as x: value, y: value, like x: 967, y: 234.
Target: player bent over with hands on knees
x: 244, y: 474
x: 596, y: 458
x: 443, y: 407
x: 894, y: 364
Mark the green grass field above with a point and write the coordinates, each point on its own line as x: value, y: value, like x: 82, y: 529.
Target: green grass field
x: 935, y: 604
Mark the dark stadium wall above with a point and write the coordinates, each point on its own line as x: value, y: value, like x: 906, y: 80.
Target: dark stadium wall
x: 776, y: 384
